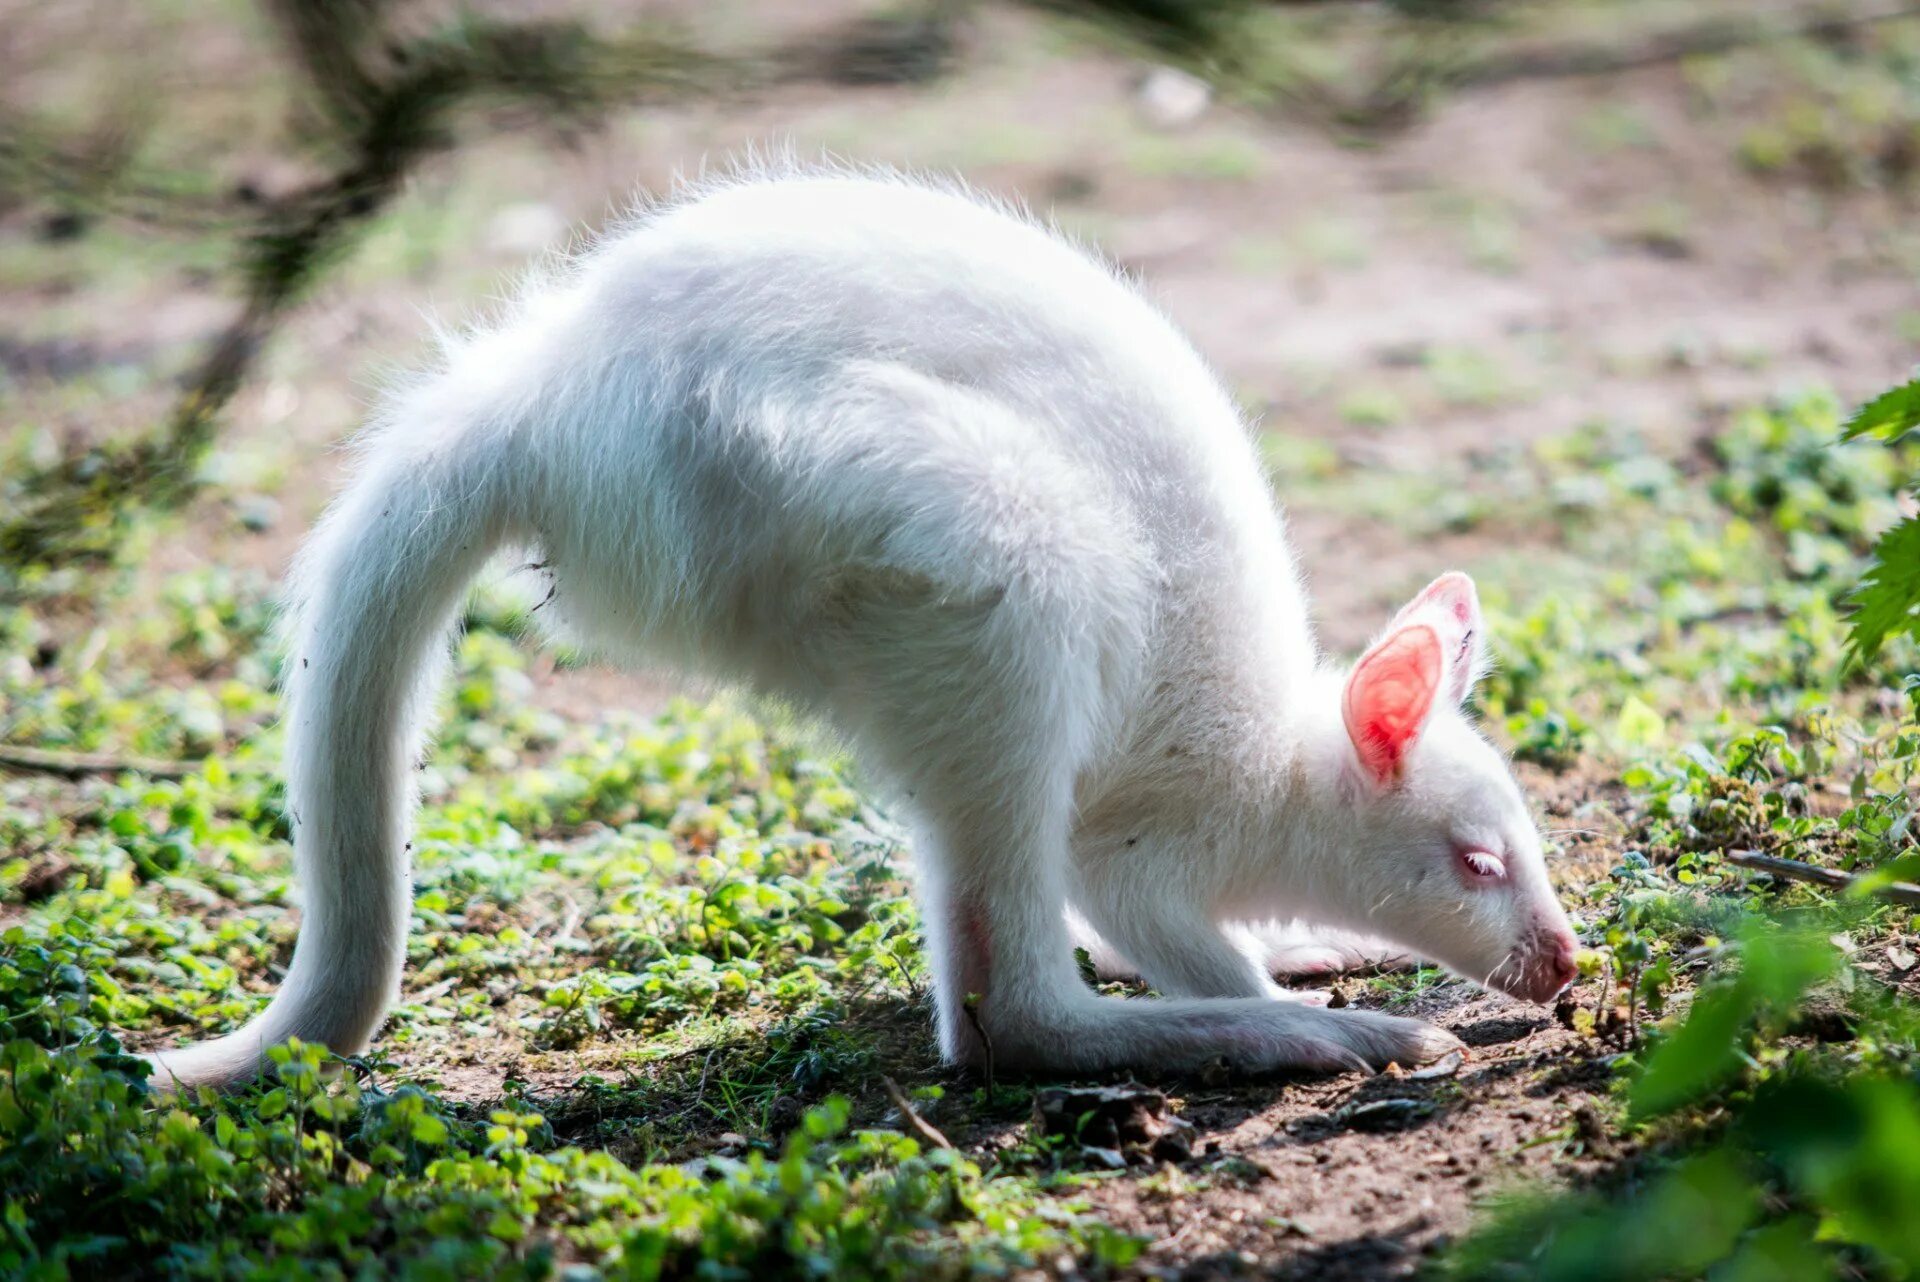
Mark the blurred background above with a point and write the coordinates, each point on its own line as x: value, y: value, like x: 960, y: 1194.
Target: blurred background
x: 1417, y: 236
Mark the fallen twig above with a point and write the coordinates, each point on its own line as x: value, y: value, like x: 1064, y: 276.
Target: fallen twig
x: 78, y: 765
x: 979, y: 1030
x: 914, y: 1124
x: 1715, y: 35
x: 1900, y: 892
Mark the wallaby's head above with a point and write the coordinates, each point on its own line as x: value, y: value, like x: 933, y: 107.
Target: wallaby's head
x: 1447, y: 861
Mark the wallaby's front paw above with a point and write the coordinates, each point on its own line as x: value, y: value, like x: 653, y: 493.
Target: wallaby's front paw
x: 1294, y: 949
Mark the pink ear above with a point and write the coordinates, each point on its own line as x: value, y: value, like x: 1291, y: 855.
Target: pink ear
x: 1451, y: 607
x: 1388, y: 696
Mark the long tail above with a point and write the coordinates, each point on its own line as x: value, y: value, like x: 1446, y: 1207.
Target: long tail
x: 375, y: 593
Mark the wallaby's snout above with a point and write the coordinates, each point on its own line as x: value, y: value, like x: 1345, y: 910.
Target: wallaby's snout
x: 1546, y: 964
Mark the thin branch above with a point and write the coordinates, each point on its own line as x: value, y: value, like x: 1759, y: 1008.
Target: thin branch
x: 969, y: 1009
x: 915, y: 1125
x: 78, y: 765
x: 388, y: 120
x: 1900, y: 892
x: 1713, y: 36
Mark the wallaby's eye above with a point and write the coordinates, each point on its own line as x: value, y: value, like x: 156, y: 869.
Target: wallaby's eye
x: 1483, y: 864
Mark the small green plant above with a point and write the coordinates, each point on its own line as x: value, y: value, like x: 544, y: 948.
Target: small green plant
x: 1774, y: 1103
x: 1465, y: 376
x: 1373, y: 407
x: 1887, y: 603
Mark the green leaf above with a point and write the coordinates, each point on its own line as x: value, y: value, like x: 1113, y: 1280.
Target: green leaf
x: 1785, y: 1252
x: 1639, y: 725
x: 428, y: 1129
x: 1699, y: 1055
x: 1904, y: 868
x: 1890, y: 415
x: 1884, y: 604
x: 1777, y: 969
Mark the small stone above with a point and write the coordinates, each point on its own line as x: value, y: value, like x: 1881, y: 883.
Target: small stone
x: 1169, y: 98
x: 526, y: 228
x: 1901, y: 959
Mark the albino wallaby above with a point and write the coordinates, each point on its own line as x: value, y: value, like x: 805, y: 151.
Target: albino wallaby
x: 914, y: 463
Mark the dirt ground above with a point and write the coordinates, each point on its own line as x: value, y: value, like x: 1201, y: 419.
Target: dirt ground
x: 1649, y: 283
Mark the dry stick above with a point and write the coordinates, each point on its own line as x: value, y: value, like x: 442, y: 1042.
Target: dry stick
x: 78, y: 765
x: 980, y: 1031
x: 1439, y: 60
x: 1713, y: 36
x: 1900, y: 892
x: 917, y: 1126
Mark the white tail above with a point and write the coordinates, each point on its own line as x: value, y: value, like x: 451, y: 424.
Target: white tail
x: 376, y: 589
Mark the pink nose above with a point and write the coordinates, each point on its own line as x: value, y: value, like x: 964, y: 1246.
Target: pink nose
x: 1561, y: 965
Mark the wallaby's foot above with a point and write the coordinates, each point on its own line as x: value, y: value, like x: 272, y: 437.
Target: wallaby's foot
x: 1252, y: 1036
x: 1390, y: 1039
x: 1294, y: 949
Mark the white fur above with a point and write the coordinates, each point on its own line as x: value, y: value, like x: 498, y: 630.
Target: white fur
x: 918, y: 465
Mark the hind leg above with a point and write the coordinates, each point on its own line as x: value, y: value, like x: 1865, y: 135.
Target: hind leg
x: 979, y: 724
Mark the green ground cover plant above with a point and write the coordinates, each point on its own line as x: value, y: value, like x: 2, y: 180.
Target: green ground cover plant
x: 696, y: 925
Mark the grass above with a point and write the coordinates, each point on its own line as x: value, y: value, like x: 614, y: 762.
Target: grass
x: 1467, y: 376
x: 643, y: 935
x: 698, y: 924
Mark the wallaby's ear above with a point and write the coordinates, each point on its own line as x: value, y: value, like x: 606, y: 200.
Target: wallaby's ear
x: 1390, y: 694
x: 1450, y: 606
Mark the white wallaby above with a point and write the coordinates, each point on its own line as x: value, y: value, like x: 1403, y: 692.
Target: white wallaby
x: 916, y: 464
